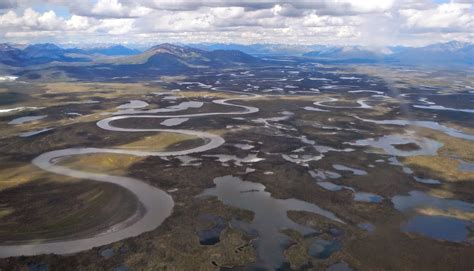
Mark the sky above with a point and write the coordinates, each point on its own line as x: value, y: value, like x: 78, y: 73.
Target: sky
x: 304, y: 22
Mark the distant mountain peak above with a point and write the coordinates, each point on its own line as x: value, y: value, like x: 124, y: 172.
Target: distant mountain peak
x: 43, y: 46
x: 452, y: 52
x: 176, y: 50
x: 172, y: 58
x: 447, y: 46
x: 5, y: 46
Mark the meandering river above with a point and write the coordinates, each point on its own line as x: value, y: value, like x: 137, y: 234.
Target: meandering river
x: 157, y: 204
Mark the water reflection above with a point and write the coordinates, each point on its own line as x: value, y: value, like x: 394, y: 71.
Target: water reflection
x: 390, y: 144
x: 322, y: 249
x: 362, y: 104
x: 23, y: 120
x: 466, y: 166
x: 211, y: 236
x: 156, y: 205
x: 37, y: 132
x: 173, y: 121
x: 439, y: 227
x: 425, y: 124
x: 442, y: 108
x: 133, y: 104
x: 367, y: 197
x: 355, y: 171
x: 439, y: 218
x: 270, y: 216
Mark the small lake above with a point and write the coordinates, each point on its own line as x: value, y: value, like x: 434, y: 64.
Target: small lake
x: 425, y: 124
x: 133, y: 104
x: 270, y: 216
x: 174, y: 121
x: 389, y: 144
x: 446, y: 224
x: 23, y: 120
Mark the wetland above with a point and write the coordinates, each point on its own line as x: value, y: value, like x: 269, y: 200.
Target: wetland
x: 292, y: 166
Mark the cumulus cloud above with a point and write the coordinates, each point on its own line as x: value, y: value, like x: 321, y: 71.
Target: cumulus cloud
x: 32, y: 23
x: 109, y: 8
x: 345, y: 7
x: 379, y: 22
x: 449, y: 16
x: 287, y: 10
x: 289, y: 6
x: 78, y: 23
x: 31, y: 20
x: 314, y: 20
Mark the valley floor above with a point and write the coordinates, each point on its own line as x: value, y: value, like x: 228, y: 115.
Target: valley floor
x: 298, y: 167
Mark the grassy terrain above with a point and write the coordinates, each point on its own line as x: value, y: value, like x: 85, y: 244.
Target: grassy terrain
x: 61, y: 210
x: 437, y: 167
x: 445, y: 164
x: 37, y: 205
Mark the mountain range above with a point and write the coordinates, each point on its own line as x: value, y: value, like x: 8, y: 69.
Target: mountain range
x: 38, y: 60
x: 453, y: 52
x: 37, y: 54
x: 49, y: 60
x: 449, y: 53
x: 44, y: 53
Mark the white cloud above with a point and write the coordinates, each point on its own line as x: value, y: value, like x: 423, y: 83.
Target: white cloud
x: 78, y: 23
x: 31, y: 20
x: 8, y: 19
x: 248, y: 21
x: 35, y: 24
x: 139, y: 11
x: 358, y: 6
x: 287, y: 10
x: 109, y: 8
x: 228, y: 13
x: 289, y: 7
x: 49, y: 20
x: 314, y: 20
x: 449, y: 16
x: 115, y: 26
x: 346, y: 32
